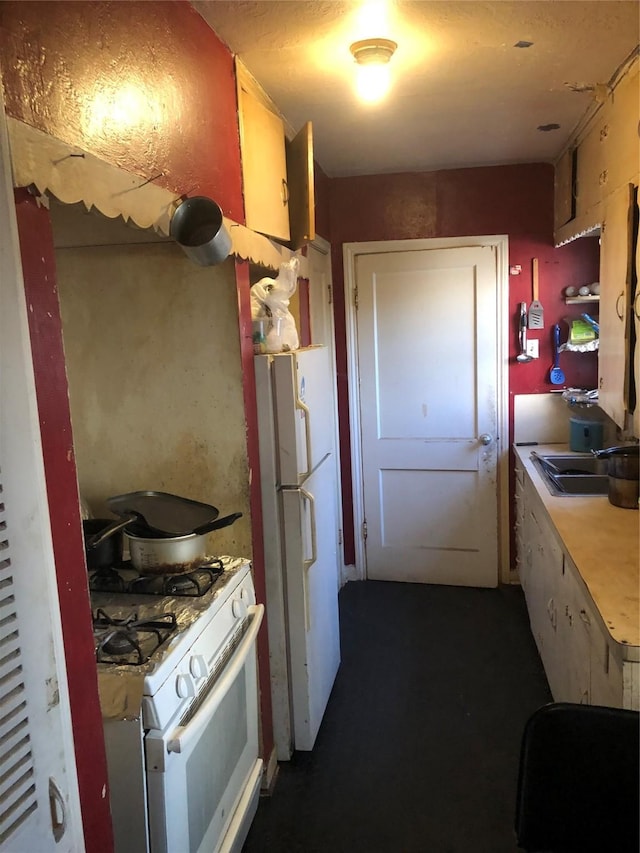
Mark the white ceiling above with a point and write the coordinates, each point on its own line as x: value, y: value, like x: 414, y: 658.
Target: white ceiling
x: 462, y: 94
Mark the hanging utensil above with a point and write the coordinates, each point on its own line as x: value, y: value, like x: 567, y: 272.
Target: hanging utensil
x: 556, y: 375
x: 198, y: 227
x: 536, y: 311
x: 522, y: 356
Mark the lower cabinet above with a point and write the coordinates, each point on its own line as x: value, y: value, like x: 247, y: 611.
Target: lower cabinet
x: 583, y: 664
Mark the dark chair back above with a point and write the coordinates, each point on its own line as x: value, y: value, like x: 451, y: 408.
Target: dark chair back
x: 578, y: 787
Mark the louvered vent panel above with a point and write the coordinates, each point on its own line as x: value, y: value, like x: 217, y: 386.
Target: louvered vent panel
x: 17, y: 786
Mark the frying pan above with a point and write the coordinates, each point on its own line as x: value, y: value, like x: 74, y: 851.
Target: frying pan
x: 160, y: 514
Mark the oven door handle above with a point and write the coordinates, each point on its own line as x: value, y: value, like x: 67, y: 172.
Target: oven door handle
x: 181, y: 737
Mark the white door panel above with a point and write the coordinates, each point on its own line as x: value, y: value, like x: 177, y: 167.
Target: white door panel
x: 39, y: 797
x: 427, y: 354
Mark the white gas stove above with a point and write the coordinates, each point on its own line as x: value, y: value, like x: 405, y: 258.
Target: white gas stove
x: 178, y: 691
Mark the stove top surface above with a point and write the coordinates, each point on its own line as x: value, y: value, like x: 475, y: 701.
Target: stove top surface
x: 135, y: 627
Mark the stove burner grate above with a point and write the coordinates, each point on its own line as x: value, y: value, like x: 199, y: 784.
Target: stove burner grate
x: 192, y: 584
x: 130, y: 640
x: 107, y: 580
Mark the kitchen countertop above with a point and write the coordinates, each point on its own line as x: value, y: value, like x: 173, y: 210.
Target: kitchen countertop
x: 604, y: 543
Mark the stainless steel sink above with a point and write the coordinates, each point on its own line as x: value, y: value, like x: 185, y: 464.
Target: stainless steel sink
x: 573, y: 475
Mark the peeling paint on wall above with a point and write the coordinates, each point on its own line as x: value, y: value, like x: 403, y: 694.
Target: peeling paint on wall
x: 155, y: 383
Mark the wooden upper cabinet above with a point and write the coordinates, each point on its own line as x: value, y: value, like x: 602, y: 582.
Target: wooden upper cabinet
x: 264, y: 168
x: 277, y: 173
x: 600, y: 159
x: 620, y: 134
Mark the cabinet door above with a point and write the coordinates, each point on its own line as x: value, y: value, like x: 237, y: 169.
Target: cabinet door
x: 636, y: 320
x: 619, y: 133
x: 590, y: 171
x: 543, y: 602
x: 302, y: 214
x: 564, y: 179
x: 615, y: 298
x: 631, y: 685
x: 606, y: 673
x: 522, y: 564
x: 575, y: 624
x: 264, y: 167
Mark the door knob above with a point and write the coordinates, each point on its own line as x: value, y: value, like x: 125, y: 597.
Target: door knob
x: 485, y: 438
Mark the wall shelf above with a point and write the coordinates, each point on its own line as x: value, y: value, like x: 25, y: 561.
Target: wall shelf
x: 578, y: 300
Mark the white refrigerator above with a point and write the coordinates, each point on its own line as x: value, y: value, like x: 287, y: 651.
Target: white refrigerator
x: 298, y: 471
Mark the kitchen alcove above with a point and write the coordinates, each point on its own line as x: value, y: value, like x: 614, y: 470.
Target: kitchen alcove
x: 152, y: 354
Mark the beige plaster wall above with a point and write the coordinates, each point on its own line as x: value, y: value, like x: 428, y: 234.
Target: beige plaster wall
x: 153, y: 361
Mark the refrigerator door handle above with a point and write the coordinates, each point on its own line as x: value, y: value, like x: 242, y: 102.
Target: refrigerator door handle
x: 314, y: 555
x: 307, y: 436
x: 312, y: 508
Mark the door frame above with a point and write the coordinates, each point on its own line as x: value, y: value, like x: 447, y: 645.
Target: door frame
x: 323, y: 247
x: 350, y: 252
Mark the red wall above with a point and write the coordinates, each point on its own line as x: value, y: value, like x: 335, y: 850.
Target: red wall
x: 512, y: 200
x: 38, y: 266
x: 145, y: 86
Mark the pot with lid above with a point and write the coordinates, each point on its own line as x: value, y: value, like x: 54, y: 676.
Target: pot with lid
x: 623, y: 469
x: 169, y: 534
x: 155, y: 554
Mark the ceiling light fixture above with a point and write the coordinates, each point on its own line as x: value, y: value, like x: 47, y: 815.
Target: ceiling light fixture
x: 372, y: 56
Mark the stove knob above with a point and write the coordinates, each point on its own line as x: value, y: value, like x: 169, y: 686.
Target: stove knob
x: 239, y: 608
x: 185, y: 688
x: 198, y: 667
x: 244, y: 595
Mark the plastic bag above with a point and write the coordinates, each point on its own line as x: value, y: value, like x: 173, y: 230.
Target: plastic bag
x: 274, y: 327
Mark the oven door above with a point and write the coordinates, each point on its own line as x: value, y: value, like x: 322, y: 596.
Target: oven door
x: 203, y: 773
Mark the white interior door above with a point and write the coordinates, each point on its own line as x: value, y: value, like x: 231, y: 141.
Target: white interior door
x: 39, y: 800
x: 427, y: 362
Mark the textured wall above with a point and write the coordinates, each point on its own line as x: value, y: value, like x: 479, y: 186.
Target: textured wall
x: 155, y: 383
x: 145, y: 86
x: 512, y: 200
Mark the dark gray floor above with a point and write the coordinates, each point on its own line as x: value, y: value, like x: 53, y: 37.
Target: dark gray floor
x: 418, y: 750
